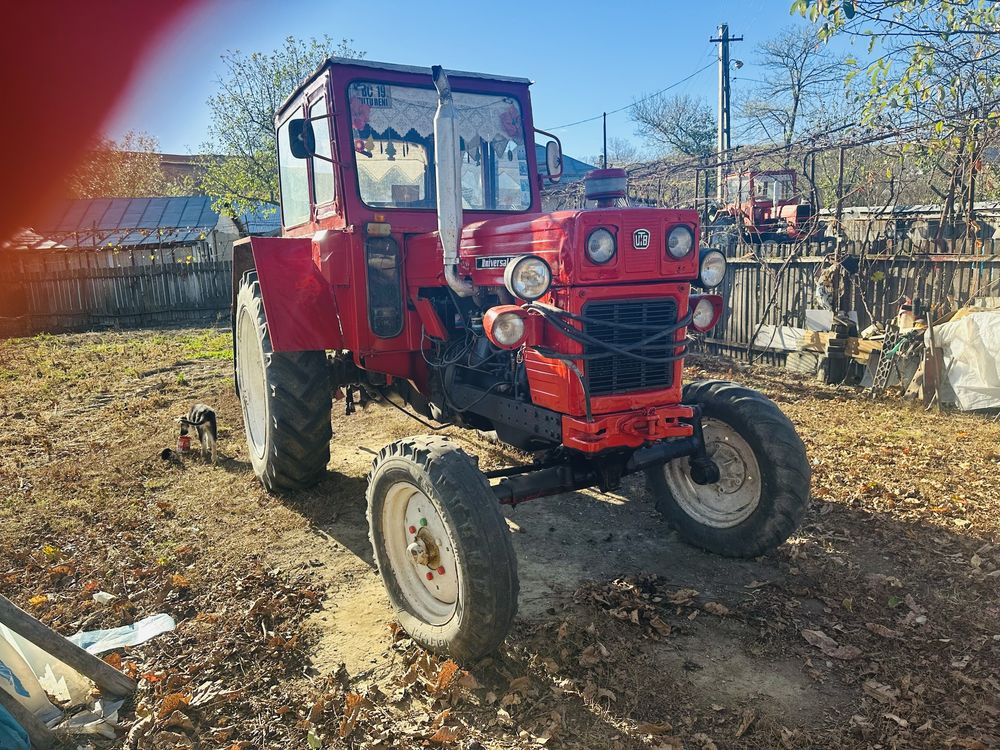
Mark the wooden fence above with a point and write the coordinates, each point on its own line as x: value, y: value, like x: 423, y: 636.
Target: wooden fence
x: 776, y: 288
x: 81, y: 298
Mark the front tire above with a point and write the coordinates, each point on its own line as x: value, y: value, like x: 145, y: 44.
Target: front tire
x: 442, y: 547
x: 763, y: 490
x: 285, y: 398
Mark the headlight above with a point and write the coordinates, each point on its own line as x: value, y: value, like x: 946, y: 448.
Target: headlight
x: 601, y: 246
x: 506, y: 326
x: 712, y: 270
x: 508, y: 329
x: 680, y: 241
x: 703, y: 315
x: 528, y: 277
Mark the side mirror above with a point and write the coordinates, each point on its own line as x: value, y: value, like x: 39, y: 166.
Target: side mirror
x: 553, y: 157
x: 553, y: 160
x: 301, y: 138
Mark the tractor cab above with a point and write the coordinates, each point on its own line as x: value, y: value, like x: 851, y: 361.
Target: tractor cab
x: 766, y: 206
x: 357, y: 141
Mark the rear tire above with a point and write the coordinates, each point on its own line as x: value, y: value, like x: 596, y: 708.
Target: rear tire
x: 764, y: 488
x: 442, y: 547
x: 285, y: 398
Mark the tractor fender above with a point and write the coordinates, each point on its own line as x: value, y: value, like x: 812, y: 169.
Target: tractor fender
x: 298, y: 302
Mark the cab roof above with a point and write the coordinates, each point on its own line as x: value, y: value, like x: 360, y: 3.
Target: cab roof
x: 392, y: 68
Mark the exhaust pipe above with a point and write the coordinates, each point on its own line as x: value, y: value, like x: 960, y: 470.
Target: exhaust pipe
x: 448, y: 168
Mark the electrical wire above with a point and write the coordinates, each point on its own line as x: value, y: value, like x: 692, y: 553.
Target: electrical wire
x: 637, y: 101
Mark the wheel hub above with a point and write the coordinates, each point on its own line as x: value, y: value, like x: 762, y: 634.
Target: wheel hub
x: 421, y: 552
x: 735, y: 496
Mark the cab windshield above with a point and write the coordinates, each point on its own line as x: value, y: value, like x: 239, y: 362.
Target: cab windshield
x: 393, y: 133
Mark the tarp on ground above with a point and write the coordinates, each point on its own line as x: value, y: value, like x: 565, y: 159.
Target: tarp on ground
x: 971, y: 349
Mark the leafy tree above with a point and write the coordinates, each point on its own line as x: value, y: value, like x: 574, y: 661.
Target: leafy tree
x: 248, y: 95
x: 924, y: 56
x: 127, y: 168
x: 799, y: 78
x: 679, y: 124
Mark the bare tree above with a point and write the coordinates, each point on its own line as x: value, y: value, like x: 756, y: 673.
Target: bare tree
x: 800, y: 76
x: 679, y: 124
x: 621, y: 151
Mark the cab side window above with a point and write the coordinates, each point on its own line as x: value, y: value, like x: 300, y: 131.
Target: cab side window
x: 293, y: 178
x: 323, y: 186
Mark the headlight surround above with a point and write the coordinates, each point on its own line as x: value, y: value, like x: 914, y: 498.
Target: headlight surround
x: 705, y: 313
x: 508, y: 329
x: 680, y: 241
x: 527, y: 277
x: 601, y: 246
x: 711, y: 269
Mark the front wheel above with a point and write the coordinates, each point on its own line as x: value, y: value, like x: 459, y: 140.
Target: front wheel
x: 763, y: 487
x: 442, y: 547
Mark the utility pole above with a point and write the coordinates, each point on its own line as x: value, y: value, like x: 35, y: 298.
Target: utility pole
x: 723, y: 142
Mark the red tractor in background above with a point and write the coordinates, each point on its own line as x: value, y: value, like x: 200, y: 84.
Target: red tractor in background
x: 416, y: 268
x: 766, y: 207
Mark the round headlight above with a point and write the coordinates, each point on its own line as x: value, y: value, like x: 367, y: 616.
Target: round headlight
x: 703, y: 315
x: 601, y: 246
x: 712, y: 270
x: 680, y: 241
x: 527, y: 277
x: 508, y: 329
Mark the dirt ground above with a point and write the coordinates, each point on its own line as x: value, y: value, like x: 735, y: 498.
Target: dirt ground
x: 876, y: 626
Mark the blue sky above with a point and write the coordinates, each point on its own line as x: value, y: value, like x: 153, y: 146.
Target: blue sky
x: 585, y: 57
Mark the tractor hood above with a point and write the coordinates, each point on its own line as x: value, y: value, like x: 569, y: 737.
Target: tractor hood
x: 560, y: 239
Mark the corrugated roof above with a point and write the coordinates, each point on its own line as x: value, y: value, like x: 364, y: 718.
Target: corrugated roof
x: 126, y: 222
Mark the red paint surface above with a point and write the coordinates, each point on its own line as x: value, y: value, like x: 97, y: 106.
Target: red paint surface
x: 301, y: 314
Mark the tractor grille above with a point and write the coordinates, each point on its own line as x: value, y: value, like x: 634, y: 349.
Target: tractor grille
x: 619, y: 374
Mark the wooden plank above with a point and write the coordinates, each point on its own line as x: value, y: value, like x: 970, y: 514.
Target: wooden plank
x: 103, y: 674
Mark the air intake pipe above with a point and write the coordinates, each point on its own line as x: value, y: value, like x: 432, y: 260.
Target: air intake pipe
x: 448, y: 169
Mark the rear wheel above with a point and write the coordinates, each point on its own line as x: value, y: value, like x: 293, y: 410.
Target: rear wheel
x: 763, y: 487
x: 442, y: 547
x: 285, y: 398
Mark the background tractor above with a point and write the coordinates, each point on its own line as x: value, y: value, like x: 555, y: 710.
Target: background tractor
x: 417, y: 268
x: 765, y: 207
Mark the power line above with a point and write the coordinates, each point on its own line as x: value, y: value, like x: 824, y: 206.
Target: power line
x: 637, y: 101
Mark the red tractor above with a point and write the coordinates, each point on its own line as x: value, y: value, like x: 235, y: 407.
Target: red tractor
x: 416, y: 268
x: 766, y: 207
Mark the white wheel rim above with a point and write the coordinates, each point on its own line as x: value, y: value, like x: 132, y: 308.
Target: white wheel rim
x: 253, y: 388
x: 731, y: 500
x: 421, y: 553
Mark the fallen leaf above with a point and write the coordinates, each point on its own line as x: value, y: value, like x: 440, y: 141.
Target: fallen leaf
x: 173, y: 702
x: 38, y: 600
x: 899, y: 720
x: 445, y: 675
x: 749, y: 717
x: 521, y: 684
x: 682, y: 596
x: 882, y: 630
x: 445, y: 736
x: 660, y: 626
x: 716, y: 609
x: 880, y: 692
x: 830, y: 647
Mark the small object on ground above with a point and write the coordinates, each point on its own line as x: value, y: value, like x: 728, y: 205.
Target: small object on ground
x: 202, y: 418
x: 98, y: 641
x: 103, y: 597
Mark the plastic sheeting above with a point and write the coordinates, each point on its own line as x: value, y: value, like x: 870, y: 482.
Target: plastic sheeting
x: 971, y: 349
